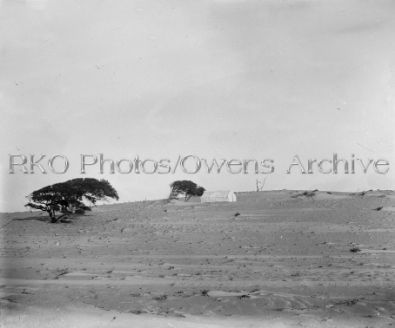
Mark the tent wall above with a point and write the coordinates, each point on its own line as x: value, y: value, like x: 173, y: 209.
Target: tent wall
x: 218, y: 196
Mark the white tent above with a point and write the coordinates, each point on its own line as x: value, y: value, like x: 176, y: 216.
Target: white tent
x: 218, y: 196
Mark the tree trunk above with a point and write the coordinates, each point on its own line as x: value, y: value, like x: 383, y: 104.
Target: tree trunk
x: 52, y: 216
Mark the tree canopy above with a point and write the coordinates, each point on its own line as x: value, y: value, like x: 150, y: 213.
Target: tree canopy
x: 72, y: 196
x: 185, y: 187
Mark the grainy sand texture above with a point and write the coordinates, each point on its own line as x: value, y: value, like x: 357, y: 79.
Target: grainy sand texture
x: 271, y: 259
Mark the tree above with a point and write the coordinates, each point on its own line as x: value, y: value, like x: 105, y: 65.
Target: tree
x: 187, y: 188
x: 199, y: 191
x: 260, y: 184
x: 72, y: 196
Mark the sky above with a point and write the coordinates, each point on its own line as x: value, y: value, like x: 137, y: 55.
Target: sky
x: 217, y: 79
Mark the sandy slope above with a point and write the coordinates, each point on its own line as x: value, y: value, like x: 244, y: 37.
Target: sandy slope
x: 94, y: 318
x: 284, y: 261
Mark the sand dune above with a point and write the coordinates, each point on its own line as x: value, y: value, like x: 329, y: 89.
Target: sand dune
x: 325, y: 259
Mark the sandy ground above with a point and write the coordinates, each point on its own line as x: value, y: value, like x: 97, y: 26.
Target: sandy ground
x: 272, y: 259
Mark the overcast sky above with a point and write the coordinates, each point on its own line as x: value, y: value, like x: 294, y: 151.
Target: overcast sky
x: 224, y: 79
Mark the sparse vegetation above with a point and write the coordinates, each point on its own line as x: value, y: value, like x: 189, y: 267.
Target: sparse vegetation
x: 308, y: 194
x: 160, y: 298
x: 213, y: 259
x: 204, y: 292
x: 355, y: 249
